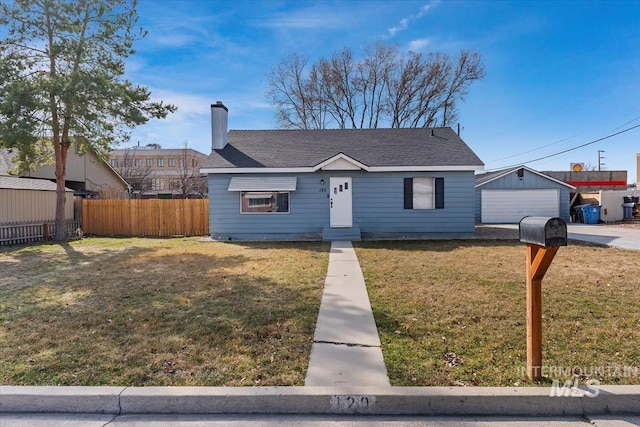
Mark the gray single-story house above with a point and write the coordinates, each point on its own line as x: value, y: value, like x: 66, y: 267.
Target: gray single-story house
x: 508, y: 195
x: 338, y: 184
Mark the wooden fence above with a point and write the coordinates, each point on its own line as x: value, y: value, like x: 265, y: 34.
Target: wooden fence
x: 149, y: 217
x: 17, y: 233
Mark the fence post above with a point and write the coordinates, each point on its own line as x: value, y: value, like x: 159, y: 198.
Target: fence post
x: 45, y: 231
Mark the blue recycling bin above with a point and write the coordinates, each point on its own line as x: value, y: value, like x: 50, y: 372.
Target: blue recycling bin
x: 627, y: 212
x: 591, y: 214
x: 579, y: 216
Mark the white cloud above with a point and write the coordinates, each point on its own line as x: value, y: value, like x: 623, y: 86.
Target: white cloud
x: 171, y: 40
x: 186, y: 101
x: 404, y: 22
x: 427, y: 7
x: 312, y: 18
x: 402, y: 25
x: 419, y: 44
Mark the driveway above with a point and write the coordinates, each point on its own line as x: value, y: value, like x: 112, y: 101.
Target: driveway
x: 620, y: 237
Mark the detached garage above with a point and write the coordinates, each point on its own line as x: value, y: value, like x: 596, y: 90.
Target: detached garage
x: 508, y: 195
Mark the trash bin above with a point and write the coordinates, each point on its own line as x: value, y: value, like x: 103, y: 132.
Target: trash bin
x: 631, y: 199
x: 627, y: 210
x: 591, y: 214
x: 578, y: 212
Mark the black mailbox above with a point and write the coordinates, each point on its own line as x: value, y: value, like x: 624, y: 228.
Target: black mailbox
x: 543, y: 231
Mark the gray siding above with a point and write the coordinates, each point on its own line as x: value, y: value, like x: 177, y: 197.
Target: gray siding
x: 378, y: 207
x: 529, y: 181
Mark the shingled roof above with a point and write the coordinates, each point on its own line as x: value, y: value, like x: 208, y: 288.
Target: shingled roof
x: 437, y: 147
x: 15, y: 183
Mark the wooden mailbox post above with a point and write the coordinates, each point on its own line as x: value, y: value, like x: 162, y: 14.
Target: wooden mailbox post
x: 543, y: 236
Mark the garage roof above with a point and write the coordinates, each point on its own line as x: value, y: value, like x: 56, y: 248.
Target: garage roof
x: 485, y: 178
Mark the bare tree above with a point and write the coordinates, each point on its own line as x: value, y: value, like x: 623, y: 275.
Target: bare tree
x: 134, y: 171
x: 299, y: 100
x: 385, y: 88
x: 189, y: 180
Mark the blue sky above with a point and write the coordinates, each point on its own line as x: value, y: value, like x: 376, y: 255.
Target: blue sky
x: 558, y: 73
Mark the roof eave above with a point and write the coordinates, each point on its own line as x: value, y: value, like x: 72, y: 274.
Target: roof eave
x: 533, y: 171
x: 309, y: 169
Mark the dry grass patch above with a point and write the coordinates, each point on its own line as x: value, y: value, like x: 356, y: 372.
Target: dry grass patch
x: 436, y: 299
x: 159, y: 312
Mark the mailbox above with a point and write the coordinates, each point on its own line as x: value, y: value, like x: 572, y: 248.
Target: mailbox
x: 543, y: 231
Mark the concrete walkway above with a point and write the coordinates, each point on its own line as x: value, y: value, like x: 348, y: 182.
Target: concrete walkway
x: 346, y: 348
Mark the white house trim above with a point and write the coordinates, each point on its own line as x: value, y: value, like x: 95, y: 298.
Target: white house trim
x: 464, y: 168
x: 341, y: 162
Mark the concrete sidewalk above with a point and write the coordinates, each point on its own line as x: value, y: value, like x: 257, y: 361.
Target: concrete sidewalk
x: 346, y: 348
x: 368, y: 400
x: 262, y: 420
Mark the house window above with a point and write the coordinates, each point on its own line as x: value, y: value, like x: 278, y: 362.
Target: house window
x: 264, y: 202
x: 149, y: 162
x: 127, y: 163
x: 160, y: 162
x: 172, y: 162
x: 138, y: 162
x: 157, y: 184
x: 114, y: 163
x: 424, y: 193
x: 181, y: 162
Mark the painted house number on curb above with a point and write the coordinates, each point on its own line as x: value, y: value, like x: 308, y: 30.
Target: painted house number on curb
x: 352, y: 403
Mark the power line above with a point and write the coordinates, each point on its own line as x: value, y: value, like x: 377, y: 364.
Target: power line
x: 536, y: 149
x: 557, y: 142
x: 572, y: 148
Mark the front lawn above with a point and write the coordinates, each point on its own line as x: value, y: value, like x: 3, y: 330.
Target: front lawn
x: 453, y: 312
x: 159, y: 312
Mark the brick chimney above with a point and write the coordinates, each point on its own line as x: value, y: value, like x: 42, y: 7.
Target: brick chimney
x: 219, y: 121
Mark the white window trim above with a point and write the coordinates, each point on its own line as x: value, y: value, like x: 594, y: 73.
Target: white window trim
x: 240, y: 193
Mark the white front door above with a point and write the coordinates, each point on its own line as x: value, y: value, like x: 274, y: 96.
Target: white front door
x: 340, y: 202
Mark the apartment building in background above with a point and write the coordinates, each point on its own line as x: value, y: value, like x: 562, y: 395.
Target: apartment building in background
x: 165, y: 173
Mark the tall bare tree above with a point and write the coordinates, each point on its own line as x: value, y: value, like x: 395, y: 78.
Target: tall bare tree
x: 61, y: 81
x: 386, y: 87
x: 134, y: 170
x: 189, y: 180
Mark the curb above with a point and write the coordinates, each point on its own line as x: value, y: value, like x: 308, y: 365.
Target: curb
x: 525, y: 401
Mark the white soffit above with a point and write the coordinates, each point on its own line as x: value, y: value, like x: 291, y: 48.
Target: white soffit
x: 241, y: 183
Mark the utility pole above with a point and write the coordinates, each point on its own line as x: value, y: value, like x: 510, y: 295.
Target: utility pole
x: 600, y: 158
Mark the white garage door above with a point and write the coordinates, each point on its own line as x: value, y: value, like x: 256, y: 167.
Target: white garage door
x: 510, y: 206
